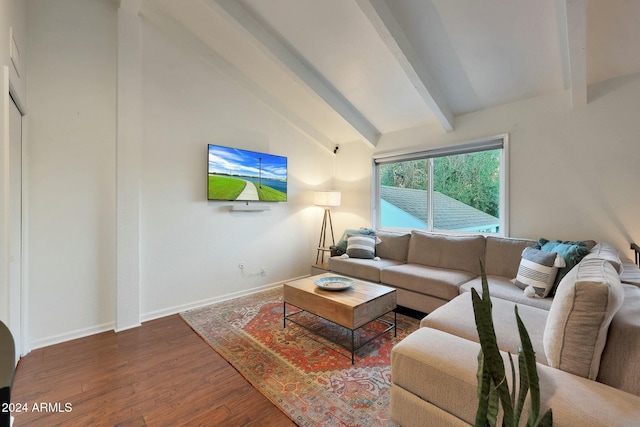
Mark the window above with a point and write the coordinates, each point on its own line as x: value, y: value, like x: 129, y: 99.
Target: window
x: 459, y: 188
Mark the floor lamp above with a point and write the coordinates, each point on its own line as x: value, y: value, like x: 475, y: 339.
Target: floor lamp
x: 326, y: 199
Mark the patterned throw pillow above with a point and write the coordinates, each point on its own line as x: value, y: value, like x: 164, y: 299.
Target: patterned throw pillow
x: 341, y: 246
x: 361, y: 246
x: 537, y: 271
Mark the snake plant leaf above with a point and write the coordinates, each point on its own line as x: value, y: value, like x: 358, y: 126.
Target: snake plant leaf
x: 489, y: 402
x: 493, y: 388
x: 492, y: 357
x: 523, y: 387
x: 513, y: 380
x: 531, y: 370
x: 494, y: 405
x: 484, y: 383
x: 546, y: 420
x: 488, y: 342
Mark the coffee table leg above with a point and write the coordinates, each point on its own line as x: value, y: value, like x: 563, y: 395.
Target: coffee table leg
x: 395, y: 323
x: 284, y: 315
x: 353, y: 348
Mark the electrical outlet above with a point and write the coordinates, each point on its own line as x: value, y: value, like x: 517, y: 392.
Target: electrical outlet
x: 263, y: 271
x: 242, y: 265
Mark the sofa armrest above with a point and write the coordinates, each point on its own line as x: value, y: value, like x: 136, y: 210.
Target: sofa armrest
x: 440, y: 368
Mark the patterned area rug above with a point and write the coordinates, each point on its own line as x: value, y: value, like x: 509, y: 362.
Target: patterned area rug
x: 309, y: 378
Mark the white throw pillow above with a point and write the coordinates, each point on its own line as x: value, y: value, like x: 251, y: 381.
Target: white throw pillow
x: 359, y: 246
x: 537, y: 271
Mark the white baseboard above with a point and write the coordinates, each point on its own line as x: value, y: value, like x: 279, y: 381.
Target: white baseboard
x: 105, y: 327
x: 202, y: 303
x: 68, y: 336
x: 127, y: 328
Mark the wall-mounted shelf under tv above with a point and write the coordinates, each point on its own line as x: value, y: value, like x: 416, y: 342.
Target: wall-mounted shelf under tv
x: 250, y: 208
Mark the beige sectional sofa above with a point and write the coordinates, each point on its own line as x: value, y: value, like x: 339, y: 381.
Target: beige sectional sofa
x: 429, y: 269
x: 586, y: 338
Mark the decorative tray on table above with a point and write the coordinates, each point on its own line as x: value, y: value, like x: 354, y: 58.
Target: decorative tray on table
x: 334, y: 283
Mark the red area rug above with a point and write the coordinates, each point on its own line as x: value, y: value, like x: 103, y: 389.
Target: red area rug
x: 308, y: 377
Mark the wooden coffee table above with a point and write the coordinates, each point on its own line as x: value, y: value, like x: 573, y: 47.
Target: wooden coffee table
x: 351, y: 308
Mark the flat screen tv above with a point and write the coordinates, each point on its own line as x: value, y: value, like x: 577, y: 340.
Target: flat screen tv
x: 243, y: 175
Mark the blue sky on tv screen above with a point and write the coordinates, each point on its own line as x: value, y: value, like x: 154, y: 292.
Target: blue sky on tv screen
x: 233, y: 161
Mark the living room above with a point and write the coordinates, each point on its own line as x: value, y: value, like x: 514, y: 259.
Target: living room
x: 117, y: 228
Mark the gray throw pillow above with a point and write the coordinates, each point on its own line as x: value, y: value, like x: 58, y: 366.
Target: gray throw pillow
x: 360, y: 246
x: 341, y: 246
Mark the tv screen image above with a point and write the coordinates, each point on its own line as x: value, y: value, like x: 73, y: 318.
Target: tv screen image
x: 243, y: 175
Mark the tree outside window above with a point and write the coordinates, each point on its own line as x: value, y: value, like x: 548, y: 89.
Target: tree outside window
x: 464, y: 192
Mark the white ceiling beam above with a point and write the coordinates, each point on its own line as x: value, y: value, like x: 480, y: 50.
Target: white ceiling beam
x: 394, y: 37
x: 213, y: 59
x: 576, y: 13
x: 269, y: 42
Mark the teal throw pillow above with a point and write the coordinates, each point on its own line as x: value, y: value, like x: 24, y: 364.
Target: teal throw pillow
x: 571, y: 252
x: 341, y: 246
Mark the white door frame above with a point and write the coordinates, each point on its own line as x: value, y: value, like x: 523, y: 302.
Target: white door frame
x: 8, y: 96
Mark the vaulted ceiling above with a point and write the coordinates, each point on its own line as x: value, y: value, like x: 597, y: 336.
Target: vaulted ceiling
x: 345, y: 70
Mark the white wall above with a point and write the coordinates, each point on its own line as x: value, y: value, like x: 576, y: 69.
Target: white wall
x: 72, y: 98
x: 191, y: 248
x: 353, y: 178
x: 573, y: 171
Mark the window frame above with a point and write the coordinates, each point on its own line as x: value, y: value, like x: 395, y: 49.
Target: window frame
x: 500, y: 141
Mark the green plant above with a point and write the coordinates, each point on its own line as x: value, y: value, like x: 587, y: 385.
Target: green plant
x: 493, y: 389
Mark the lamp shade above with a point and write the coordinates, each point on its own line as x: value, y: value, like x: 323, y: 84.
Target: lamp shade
x: 327, y: 198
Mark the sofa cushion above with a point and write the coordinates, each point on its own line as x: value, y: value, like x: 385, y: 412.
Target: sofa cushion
x: 537, y: 271
x: 502, y: 255
x: 619, y: 366
x: 605, y: 251
x: 457, y: 318
x: 366, y: 269
x: 418, y: 301
x: 502, y: 287
x: 393, y: 245
x: 359, y: 246
x: 584, y: 304
x: 408, y: 409
x: 437, y: 282
x: 446, y: 251
x: 438, y: 376
x: 441, y: 369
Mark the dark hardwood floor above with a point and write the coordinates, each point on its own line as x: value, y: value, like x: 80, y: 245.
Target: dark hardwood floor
x: 160, y: 374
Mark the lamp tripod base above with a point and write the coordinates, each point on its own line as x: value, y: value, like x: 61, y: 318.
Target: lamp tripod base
x: 322, y: 246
